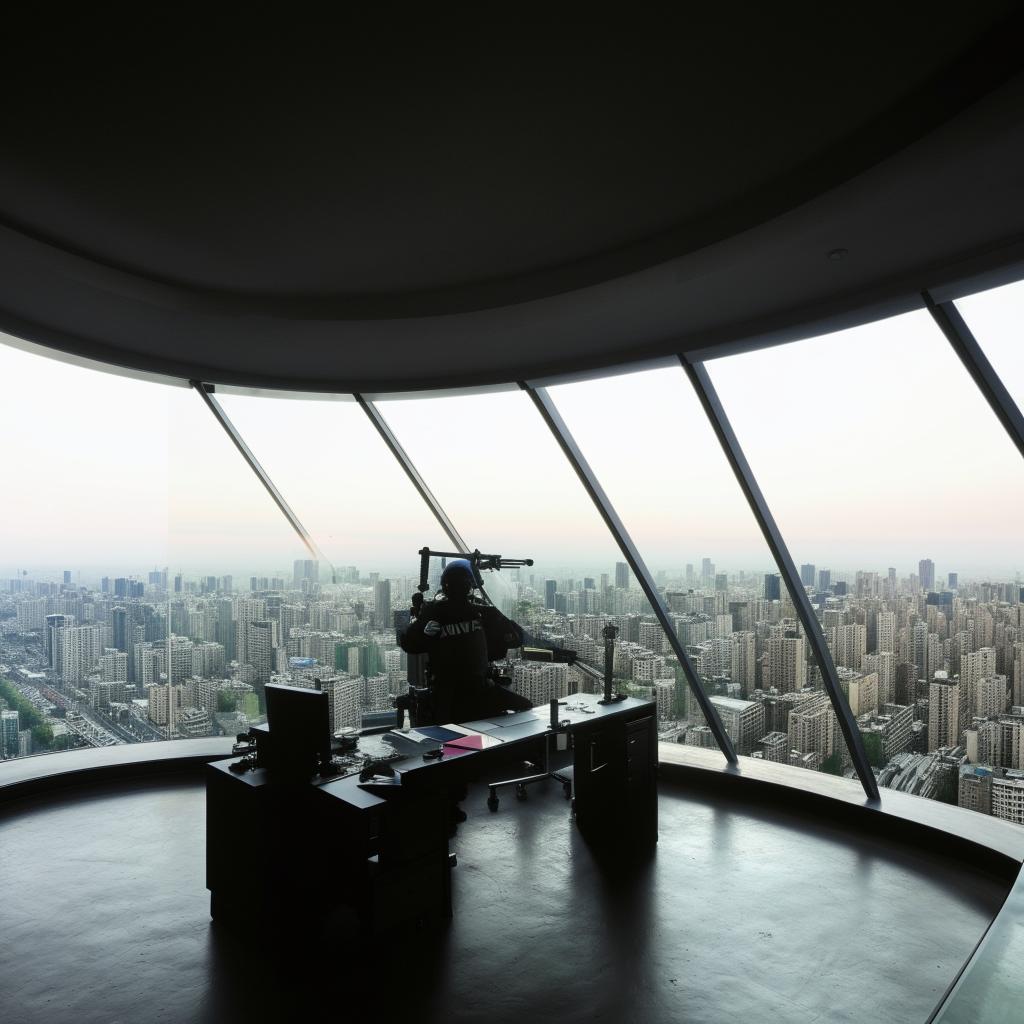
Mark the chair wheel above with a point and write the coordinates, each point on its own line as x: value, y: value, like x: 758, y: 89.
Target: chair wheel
x: 567, y: 790
x: 492, y: 803
x: 520, y: 792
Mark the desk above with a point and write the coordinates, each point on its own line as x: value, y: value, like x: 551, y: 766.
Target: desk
x: 310, y: 850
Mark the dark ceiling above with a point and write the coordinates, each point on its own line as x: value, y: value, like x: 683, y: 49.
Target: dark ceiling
x: 347, y: 213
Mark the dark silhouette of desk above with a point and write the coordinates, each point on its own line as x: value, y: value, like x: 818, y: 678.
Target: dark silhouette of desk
x: 326, y: 853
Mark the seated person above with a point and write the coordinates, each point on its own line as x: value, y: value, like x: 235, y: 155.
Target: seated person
x: 461, y: 637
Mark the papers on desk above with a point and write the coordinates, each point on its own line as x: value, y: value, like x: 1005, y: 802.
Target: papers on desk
x: 478, y: 741
x: 437, y: 733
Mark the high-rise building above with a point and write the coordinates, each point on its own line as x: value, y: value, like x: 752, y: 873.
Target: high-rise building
x: 664, y: 699
x: 883, y: 664
x: 707, y: 571
x: 114, y: 666
x: 772, y: 587
x: 863, y: 693
x: 813, y: 726
x: 744, y: 662
x: 824, y: 580
x: 382, y: 603
x: 32, y: 614
x: 1017, y: 653
x: 952, y: 580
x: 208, y: 660
x: 622, y: 575
x: 54, y: 623
x: 943, y: 712
x: 807, y: 574
x: 786, y: 663
x: 78, y: 652
x: 247, y: 611
x: 975, y: 666
x: 975, y: 789
x: 775, y: 747
x: 893, y: 725
x: 991, y: 693
x: 926, y: 574
x: 164, y: 704
x: 743, y: 721
x: 305, y: 569
x: 550, y: 589
x: 849, y: 644
x: 345, y: 699
x: 261, y: 645
x: 1008, y: 796
x: 652, y: 637
x: 9, y: 729
x: 885, y: 628
x: 541, y: 681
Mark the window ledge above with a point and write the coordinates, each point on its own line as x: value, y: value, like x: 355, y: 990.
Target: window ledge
x: 953, y: 830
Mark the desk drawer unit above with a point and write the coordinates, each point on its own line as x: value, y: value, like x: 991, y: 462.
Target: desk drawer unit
x: 615, y: 778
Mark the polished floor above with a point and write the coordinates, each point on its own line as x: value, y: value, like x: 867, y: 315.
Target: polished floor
x: 740, y: 915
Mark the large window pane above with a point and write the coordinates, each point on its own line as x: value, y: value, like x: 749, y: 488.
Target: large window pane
x: 888, y: 472
x: 369, y: 522
x: 509, y: 489
x: 141, y: 560
x: 656, y: 455
x: 996, y: 318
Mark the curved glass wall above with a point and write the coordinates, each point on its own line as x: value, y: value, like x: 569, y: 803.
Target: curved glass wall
x: 651, y: 446
x: 367, y: 522
x: 152, y: 587
x: 141, y: 562
x: 501, y: 477
x: 898, y: 491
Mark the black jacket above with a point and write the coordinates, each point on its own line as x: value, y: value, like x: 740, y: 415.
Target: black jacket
x: 461, y: 638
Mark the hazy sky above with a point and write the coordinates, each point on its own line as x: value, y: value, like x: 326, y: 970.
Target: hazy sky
x: 872, y: 446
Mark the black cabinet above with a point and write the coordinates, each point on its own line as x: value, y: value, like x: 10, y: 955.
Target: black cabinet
x: 320, y: 856
x: 615, y: 765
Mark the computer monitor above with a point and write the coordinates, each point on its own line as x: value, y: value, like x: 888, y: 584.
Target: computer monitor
x: 299, y: 721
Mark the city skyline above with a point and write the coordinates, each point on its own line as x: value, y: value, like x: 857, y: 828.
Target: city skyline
x: 930, y: 664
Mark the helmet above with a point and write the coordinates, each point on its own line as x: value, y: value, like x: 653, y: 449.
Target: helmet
x: 458, y: 579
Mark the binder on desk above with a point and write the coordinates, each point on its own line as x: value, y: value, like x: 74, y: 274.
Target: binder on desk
x: 479, y: 741
x: 440, y: 733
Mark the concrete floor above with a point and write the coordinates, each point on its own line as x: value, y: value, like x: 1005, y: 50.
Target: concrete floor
x: 740, y: 915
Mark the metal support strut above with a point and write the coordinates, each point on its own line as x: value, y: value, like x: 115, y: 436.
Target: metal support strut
x: 205, y: 392
x: 546, y: 407
x: 715, y: 412
x: 959, y: 335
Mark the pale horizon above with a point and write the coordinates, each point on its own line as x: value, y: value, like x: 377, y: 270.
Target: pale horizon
x: 873, y: 448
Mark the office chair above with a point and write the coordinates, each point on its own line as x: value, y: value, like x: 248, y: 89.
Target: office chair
x: 522, y: 781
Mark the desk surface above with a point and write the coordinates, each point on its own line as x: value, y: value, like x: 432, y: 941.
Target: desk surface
x: 574, y: 712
